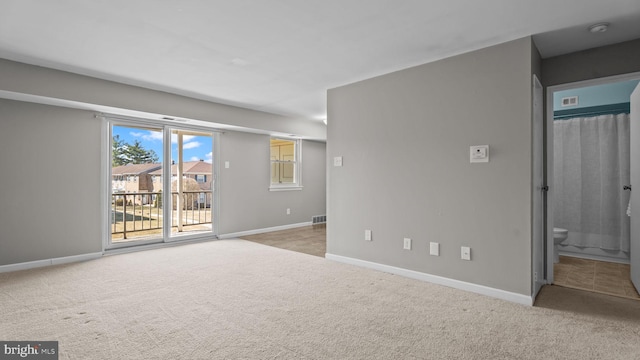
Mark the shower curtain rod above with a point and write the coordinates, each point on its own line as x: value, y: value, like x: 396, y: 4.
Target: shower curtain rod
x: 611, y: 109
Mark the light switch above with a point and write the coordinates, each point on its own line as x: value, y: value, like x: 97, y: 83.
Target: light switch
x: 434, y: 249
x: 479, y: 153
x: 226, y: 165
x: 367, y: 235
x: 337, y: 161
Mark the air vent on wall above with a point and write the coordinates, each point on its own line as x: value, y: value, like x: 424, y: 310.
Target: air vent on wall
x: 173, y: 119
x: 570, y: 101
x: 318, y: 219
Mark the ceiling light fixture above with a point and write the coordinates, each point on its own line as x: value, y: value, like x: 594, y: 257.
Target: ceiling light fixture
x: 599, y: 28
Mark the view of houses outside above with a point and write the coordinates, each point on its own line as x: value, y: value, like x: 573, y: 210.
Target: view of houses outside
x: 137, y: 185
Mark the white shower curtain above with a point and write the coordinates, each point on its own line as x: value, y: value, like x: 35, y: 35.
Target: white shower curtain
x: 591, y: 166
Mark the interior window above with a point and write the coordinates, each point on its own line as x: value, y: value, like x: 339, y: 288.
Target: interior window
x: 285, y: 163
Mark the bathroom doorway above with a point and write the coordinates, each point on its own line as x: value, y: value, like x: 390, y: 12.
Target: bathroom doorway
x: 589, y: 155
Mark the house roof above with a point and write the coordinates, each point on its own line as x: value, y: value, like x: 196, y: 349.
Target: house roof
x: 189, y: 167
x: 135, y: 169
x: 200, y: 167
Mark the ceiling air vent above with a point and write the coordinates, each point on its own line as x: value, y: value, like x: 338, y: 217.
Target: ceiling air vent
x: 173, y: 119
x: 570, y: 101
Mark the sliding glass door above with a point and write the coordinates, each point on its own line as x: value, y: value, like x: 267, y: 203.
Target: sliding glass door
x: 160, y: 184
x: 191, y: 182
x: 135, y: 200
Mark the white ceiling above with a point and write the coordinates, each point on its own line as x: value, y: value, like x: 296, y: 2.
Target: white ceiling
x: 281, y: 56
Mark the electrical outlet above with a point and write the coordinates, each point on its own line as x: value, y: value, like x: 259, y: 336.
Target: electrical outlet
x: 434, y: 249
x: 465, y: 253
x: 367, y: 235
x: 407, y: 244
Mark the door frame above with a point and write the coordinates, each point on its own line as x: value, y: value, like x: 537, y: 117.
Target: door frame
x: 538, y: 193
x: 550, y: 90
x: 108, y: 121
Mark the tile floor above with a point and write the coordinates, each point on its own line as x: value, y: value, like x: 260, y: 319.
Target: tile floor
x: 310, y: 240
x: 598, y: 276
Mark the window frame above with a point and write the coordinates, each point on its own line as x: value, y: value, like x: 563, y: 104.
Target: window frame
x: 297, y: 166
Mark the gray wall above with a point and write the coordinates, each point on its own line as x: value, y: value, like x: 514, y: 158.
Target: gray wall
x: 405, y: 140
x: 34, y: 80
x: 246, y: 201
x: 617, y: 59
x: 50, y: 161
x: 50, y: 195
x: 536, y: 62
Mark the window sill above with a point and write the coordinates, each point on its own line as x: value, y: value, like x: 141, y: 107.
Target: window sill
x: 285, y: 188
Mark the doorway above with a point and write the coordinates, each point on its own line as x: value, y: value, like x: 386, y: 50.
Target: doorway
x: 160, y: 183
x: 588, y: 174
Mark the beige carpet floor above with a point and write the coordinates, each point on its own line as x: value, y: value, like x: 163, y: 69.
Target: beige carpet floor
x: 236, y: 299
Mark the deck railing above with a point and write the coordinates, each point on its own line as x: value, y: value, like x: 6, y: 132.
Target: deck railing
x: 143, y: 211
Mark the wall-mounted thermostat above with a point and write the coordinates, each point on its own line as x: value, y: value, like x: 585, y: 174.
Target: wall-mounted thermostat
x: 479, y: 153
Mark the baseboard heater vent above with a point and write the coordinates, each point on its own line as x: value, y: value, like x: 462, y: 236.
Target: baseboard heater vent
x: 319, y: 219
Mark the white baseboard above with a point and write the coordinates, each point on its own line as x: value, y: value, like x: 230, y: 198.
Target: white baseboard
x: 265, y: 230
x: 49, y: 262
x: 456, y: 284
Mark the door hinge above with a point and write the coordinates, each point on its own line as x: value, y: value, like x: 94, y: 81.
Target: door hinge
x: 544, y: 188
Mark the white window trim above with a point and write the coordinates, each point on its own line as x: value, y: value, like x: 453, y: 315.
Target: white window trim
x: 296, y: 186
x: 285, y: 187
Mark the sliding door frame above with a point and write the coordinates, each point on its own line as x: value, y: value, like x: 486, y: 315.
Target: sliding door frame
x: 108, y: 122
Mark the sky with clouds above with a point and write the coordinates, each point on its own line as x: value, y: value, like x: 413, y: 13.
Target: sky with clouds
x: 194, y: 147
